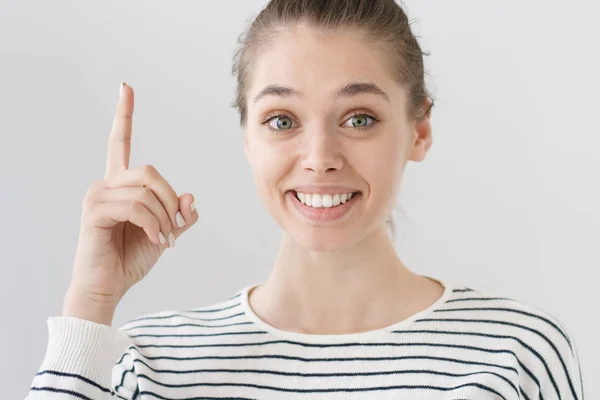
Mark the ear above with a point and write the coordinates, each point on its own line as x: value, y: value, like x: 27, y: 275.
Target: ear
x: 422, y: 136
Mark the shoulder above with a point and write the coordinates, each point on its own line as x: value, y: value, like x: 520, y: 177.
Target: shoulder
x: 226, y: 312
x: 507, y: 315
x: 541, y: 343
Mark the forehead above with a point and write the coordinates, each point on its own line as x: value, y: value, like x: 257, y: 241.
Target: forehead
x: 317, y: 63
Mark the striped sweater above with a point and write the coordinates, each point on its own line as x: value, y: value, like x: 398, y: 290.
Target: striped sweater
x: 467, y: 345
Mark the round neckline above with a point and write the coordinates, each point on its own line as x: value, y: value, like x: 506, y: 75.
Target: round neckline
x: 371, y: 334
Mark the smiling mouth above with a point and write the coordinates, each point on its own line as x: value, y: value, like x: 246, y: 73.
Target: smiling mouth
x: 322, y: 200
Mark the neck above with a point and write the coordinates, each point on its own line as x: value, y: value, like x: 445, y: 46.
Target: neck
x: 363, y: 287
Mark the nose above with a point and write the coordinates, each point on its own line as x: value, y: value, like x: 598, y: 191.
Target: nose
x: 322, y: 151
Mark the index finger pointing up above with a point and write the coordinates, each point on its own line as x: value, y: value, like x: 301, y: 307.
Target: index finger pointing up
x: 119, y: 142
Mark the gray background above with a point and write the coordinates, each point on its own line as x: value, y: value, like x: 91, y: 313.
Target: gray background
x: 506, y: 201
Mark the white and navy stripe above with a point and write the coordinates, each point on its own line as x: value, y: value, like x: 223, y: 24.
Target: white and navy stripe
x: 469, y: 345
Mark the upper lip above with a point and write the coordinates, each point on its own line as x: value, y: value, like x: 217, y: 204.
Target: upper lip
x: 324, y: 189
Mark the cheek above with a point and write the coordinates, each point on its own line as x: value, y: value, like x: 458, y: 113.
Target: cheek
x: 379, y: 163
x: 270, y: 163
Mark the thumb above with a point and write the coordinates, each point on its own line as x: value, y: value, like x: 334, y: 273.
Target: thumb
x: 189, y: 214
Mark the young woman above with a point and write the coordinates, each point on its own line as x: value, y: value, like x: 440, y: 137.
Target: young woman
x: 333, y: 103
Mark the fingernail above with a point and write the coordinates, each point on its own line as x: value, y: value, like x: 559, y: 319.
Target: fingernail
x: 161, y: 237
x: 179, y: 219
x: 171, y: 240
x: 121, y: 90
x: 193, y: 206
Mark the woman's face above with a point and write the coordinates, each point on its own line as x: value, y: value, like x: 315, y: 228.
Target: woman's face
x: 328, y: 136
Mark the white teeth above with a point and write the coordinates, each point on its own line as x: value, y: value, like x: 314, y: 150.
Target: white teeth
x: 323, y: 200
x: 317, y: 201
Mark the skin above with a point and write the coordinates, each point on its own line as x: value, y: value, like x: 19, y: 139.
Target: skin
x: 333, y: 277
x: 340, y: 276
x: 125, y: 222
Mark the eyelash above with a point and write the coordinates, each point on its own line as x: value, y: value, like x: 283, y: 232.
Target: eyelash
x: 270, y: 117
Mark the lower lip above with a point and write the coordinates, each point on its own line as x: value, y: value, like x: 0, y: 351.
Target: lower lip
x: 322, y: 213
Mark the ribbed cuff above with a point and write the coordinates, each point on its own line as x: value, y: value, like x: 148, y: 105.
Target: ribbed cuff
x: 85, y: 348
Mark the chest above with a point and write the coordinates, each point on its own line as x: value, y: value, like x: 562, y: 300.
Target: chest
x: 355, y: 371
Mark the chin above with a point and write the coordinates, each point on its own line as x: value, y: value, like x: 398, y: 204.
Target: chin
x: 320, y: 239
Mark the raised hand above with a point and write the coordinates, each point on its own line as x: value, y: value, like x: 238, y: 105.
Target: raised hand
x: 128, y: 219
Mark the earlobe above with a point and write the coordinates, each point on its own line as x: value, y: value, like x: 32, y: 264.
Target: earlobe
x: 428, y: 143
x: 418, y: 153
x: 423, y: 140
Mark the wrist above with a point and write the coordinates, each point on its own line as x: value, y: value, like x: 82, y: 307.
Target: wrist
x: 83, y: 306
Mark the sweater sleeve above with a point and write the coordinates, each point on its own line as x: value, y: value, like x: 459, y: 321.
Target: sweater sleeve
x: 573, y: 365
x: 565, y: 380
x: 85, y: 360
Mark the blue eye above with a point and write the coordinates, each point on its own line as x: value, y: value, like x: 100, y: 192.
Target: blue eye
x: 279, y: 122
x: 282, y: 122
x: 360, y: 121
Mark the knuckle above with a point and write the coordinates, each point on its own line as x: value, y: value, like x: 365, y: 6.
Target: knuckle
x: 119, y: 136
x: 94, y: 189
x: 144, y: 195
x: 89, y: 215
x: 150, y: 171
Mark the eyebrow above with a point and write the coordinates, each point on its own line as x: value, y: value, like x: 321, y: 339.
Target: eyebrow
x: 349, y: 90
